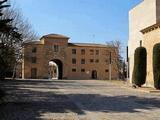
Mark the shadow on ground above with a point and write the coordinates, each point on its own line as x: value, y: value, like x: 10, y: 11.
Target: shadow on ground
x: 30, y: 100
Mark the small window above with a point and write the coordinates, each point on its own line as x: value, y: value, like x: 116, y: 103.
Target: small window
x: 73, y: 51
x: 91, y: 52
x: 83, y: 52
x: 107, y: 61
x: 106, y: 70
x: 73, y: 70
x: 91, y: 60
x: 73, y: 61
x: 97, y: 52
x: 34, y: 50
x: 97, y: 61
x: 56, y: 48
x: 33, y: 73
x: 34, y: 59
x: 82, y: 61
x: 82, y: 70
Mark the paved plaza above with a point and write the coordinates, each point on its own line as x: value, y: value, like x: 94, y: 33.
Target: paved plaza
x: 76, y: 100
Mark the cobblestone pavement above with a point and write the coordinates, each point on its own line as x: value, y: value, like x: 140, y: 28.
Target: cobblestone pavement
x: 76, y: 100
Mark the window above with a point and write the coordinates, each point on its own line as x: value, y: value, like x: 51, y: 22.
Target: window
x: 97, y: 52
x: 34, y: 59
x: 82, y: 61
x: 73, y: 51
x: 33, y: 73
x: 97, y: 61
x: 91, y: 52
x: 73, y: 61
x: 91, y: 60
x: 82, y: 70
x: 34, y: 50
x: 106, y: 70
x: 73, y: 70
x: 56, y: 48
x: 83, y: 52
x: 107, y: 61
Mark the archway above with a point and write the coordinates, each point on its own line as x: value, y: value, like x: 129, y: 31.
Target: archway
x: 53, y: 70
x: 94, y: 74
x: 56, y: 69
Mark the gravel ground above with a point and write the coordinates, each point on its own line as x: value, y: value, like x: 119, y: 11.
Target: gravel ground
x: 76, y: 100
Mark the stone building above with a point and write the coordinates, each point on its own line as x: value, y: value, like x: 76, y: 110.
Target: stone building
x: 54, y: 57
x: 144, y: 29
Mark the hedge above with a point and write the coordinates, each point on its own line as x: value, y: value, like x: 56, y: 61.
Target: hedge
x: 139, y: 70
x: 156, y: 65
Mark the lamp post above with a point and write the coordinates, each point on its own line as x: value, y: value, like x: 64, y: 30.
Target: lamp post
x: 127, y: 64
x: 110, y: 66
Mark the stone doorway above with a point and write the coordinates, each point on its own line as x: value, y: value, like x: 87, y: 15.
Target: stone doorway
x: 33, y: 73
x: 94, y: 74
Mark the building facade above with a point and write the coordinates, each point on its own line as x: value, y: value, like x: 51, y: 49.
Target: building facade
x: 151, y: 37
x: 54, y: 57
x: 142, y: 21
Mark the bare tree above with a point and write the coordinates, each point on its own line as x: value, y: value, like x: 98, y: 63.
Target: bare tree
x: 119, y: 60
x: 22, y: 24
x: 22, y: 27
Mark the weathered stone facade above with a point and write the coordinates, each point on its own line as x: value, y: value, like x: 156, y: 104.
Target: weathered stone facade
x: 144, y: 16
x: 74, y: 60
x: 151, y: 37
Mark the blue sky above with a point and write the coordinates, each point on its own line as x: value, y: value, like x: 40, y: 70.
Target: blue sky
x: 82, y: 20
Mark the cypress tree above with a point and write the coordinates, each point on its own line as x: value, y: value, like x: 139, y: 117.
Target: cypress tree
x: 139, y: 71
x: 156, y: 65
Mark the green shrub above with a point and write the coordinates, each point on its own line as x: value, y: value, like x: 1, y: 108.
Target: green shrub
x: 156, y: 65
x: 139, y: 71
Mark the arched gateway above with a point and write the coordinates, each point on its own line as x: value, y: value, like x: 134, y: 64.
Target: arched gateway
x: 55, y: 69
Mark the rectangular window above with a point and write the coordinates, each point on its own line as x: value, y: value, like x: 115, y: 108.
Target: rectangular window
x: 82, y: 61
x: 56, y: 48
x: 34, y: 59
x: 82, y: 70
x: 73, y: 61
x: 91, y: 52
x: 83, y: 52
x: 97, y: 61
x: 106, y: 70
x: 97, y: 52
x: 33, y: 73
x: 73, y: 51
x: 91, y: 60
x: 34, y: 50
x: 73, y: 70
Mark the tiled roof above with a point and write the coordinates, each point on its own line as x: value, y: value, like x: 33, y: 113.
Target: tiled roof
x: 32, y: 42
x: 87, y: 44
x: 55, y: 36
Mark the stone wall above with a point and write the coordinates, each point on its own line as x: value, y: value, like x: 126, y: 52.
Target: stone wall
x: 45, y: 53
x: 140, y: 17
x: 150, y: 39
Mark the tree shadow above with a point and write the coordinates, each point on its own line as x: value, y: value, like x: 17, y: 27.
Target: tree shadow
x: 31, y: 102
x: 131, y: 104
